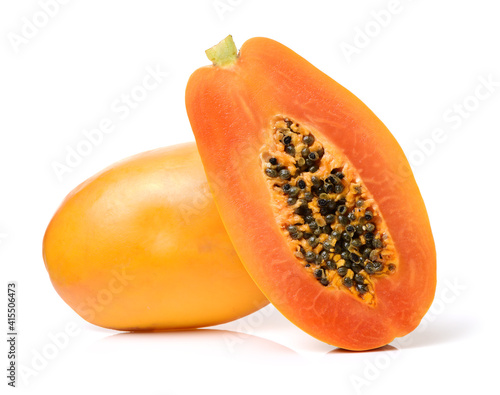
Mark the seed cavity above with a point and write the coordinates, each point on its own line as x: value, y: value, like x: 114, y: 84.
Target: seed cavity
x: 327, y: 214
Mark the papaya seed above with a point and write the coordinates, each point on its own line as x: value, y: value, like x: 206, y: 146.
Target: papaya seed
x: 356, y: 243
x: 284, y: 174
x: 310, y: 256
x: 347, y: 281
x: 313, y: 156
x: 313, y: 241
x: 293, y: 192
x: 377, y: 243
x: 271, y: 173
x: 343, y: 220
x: 361, y: 288
x: 309, y: 139
x: 330, y: 219
x: 339, y: 188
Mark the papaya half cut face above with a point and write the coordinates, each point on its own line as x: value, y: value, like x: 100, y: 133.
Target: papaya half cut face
x: 317, y: 196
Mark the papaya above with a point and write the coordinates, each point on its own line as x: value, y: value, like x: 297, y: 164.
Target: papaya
x: 316, y: 194
x: 140, y: 246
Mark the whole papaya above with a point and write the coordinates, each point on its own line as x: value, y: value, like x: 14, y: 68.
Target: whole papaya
x: 141, y: 246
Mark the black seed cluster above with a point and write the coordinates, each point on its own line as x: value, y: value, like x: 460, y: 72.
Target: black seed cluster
x: 342, y: 238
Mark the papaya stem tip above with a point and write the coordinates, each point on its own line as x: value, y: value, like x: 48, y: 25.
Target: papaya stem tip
x: 224, y: 53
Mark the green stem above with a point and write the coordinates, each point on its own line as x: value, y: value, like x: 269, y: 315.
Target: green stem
x: 223, y: 54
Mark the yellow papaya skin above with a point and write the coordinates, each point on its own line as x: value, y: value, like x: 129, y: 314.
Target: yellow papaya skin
x: 141, y: 246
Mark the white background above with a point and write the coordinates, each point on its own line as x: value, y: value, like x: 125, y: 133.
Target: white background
x: 428, y: 63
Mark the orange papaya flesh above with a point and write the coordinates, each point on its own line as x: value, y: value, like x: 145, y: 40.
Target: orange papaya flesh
x: 316, y: 194
x: 141, y: 246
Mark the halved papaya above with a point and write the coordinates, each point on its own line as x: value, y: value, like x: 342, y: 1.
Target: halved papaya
x: 315, y: 193
x: 140, y: 246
